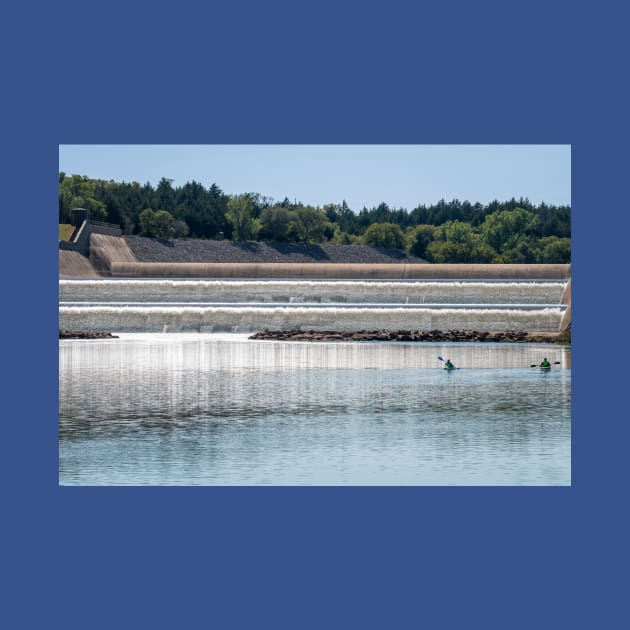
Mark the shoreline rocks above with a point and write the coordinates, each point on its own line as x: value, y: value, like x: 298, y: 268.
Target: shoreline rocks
x: 85, y: 334
x: 508, y: 336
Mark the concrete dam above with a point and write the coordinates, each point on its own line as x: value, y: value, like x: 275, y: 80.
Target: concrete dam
x: 119, y: 294
x: 159, y: 305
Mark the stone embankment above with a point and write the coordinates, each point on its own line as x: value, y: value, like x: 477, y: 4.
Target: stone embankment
x: 406, y: 335
x: 151, y: 250
x: 85, y: 334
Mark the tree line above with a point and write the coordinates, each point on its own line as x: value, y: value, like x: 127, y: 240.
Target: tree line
x: 514, y: 231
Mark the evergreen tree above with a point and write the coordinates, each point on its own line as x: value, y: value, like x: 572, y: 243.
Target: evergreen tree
x: 510, y: 231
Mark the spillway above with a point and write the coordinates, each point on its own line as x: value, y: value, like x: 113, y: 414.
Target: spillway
x: 291, y: 291
x: 204, y: 305
x: 243, y: 318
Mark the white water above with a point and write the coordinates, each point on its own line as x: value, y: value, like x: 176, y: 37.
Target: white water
x: 386, y: 292
x: 245, y: 318
x: 252, y: 305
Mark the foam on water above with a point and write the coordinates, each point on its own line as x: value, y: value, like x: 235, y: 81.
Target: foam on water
x: 414, y: 292
x: 246, y: 318
x: 250, y: 305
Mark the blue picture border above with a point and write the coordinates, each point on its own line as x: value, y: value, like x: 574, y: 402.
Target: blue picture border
x: 310, y: 557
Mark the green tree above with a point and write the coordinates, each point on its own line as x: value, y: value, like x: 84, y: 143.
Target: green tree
x: 418, y: 238
x: 202, y: 210
x: 343, y: 238
x: 448, y: 252
x: 481, y: 252
x: 308, y: 224
x: 524, y: 251
x: 456, y: 231
x: 78, y: 191
x: 504, y: 229
x: 276, y: 222
x: 165, y: 195
x: 240, y: 214
x: 341, y: 217
x: 384, y: 235
x: 156, y: 224
x: 458, y: 242
x: 552, y: 249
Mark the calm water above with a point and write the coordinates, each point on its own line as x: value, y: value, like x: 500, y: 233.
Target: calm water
x: 209, y: 409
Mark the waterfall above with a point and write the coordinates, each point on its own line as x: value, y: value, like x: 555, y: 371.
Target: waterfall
x: 293, y: 291
x: 247, y: 318
x: 251, y: 305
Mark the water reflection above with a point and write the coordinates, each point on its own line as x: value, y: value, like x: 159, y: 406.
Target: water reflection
x: 205, y: 409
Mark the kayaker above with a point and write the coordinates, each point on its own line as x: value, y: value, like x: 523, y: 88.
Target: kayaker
x: 545, y: 363
x: 449, y: 365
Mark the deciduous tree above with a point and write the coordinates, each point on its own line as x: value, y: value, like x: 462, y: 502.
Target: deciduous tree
x: 384, y: 235
x: 156, y: 224
x: 276, y: 222
x: 502, y: 230
x: 240, y: 213
x: 309, y: 224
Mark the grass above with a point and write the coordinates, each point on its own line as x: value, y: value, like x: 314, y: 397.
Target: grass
x: 65, y: 231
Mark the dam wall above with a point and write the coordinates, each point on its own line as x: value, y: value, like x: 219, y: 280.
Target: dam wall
x: 129, y: 269
x: 82, y: 241
x: 91, y: 250
x: 75, y: 265
x: 400, y: 292
x: 566, y: 299
x: 104, y: 249
x: 247, y: 318
x: 248, y: 297
x: 198, y: 305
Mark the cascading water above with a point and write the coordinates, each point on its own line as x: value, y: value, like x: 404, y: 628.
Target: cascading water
x: 294, y: 291
x: 252, y: 305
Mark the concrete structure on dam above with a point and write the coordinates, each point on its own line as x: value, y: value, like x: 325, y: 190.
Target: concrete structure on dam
x: 337, y: 270
x: 109, y: 256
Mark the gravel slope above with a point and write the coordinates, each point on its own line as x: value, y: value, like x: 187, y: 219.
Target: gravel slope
x: 198, y: 250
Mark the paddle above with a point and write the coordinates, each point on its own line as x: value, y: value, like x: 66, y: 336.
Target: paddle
x: 554, y: 363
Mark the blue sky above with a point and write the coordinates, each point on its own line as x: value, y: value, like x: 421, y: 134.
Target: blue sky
x: 364, y: 175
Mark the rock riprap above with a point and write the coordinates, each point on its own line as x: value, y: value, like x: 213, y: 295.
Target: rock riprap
x: 400, y: 335
x: 85, y: 334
